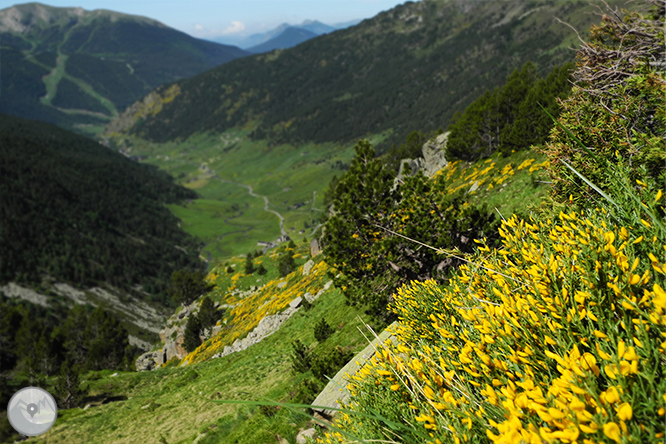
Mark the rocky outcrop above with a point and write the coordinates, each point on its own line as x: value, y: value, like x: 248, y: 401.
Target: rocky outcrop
x: 270, y: 324
x: 305, y: 435
x: 307, y: 267
x: 335, y: 391
x: 315, y: 249
x: 172, y: 336
x: 147, y: 361
x: 433, y: 159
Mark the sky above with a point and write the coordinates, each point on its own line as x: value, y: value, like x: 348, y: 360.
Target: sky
x: 235, y: 19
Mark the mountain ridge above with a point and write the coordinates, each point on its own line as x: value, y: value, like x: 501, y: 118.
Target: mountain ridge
x: 342, y: 86
x: 288, y: 38
x: 79, y: 68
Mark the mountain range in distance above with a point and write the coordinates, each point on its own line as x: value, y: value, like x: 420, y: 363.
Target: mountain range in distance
x: 284, y: 36
x: 79, y: 69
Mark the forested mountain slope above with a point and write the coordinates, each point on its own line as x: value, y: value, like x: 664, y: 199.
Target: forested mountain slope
x: 408, y: 68
x: 79, y: 68
x: 74, y: 211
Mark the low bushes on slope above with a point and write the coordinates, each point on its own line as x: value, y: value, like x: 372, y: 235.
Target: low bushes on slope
x: 558, y: 334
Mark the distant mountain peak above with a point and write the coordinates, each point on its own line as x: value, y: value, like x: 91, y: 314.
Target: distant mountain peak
x: 24, y: 18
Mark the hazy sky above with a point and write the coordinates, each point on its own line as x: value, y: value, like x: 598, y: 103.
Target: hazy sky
x: 235, y: 18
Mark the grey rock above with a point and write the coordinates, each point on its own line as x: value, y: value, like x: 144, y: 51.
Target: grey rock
x: 307, y: 268
x: 335, y: 391
x: 302, y: 437
x: 146, y: 361
x: 281, y: 285
x: 433, y: 154
x: 432, y: 161
x: 315, y: 249
x: 296, y: 302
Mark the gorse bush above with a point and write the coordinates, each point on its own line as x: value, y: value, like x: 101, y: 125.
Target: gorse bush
x: 559, y: 333
x: 617, y: 106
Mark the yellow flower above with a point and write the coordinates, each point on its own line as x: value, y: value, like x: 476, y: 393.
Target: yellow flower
x: 624, y: 411
x: 612, y: 431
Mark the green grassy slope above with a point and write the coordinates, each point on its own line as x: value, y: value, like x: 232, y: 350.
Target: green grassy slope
x: 96, y: 62
x: 178, y: 404
x: 228, y: 218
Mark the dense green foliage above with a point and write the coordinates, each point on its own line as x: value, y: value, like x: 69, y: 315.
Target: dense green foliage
x: 77, y: 212
x: 191, y: 339
x: 249, y: 264
x: 509, y: 118
x: 208, y: 313
x: 68, y: 391
x: 365, y: 238
x: 301, y: 360
x: 187, y: 286
x: 117, y: 58
x: 558, y: 334
x: 618, y: 107
x: 199, y: 325
x: 286, y: 263
x: 388, y: 74
x: 35, y: 341
x: 322, y: 330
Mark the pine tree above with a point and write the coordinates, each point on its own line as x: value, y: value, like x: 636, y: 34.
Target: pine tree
x: 106, y: 341
x: 286, y: 263
x: 300, y: 357
x: 322, y: 331
x: 188, y: 285
x: 249, y: 264
x: 68, y: 391
x: 208, y: 313
x: 191, y: 339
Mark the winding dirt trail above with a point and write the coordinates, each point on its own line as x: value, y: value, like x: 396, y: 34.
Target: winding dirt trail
x: 252, y: 193
x: 250, y: 190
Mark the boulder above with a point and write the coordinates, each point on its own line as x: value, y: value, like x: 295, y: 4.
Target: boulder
x: 315, y: 249
x: 433, y: 154
x: 303, y: 436
x: 147, y: 361
x: 432, y: 161
x: 307, y: 268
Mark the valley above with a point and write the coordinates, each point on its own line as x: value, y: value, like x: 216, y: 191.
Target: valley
x: 221, y: 167
x: 440, y: 173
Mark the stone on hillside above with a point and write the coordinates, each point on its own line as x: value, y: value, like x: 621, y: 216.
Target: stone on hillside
x: 146, y: 361
x: 474, y: 187
x: 335, y: 391
x: 314, y: 247
x: 433, y: 160
x: 302, y: 437
x: 307, y: 268
x: 296, y: 302
x: 433, y: 154
x: 409, y: 168
x: 281, y: 285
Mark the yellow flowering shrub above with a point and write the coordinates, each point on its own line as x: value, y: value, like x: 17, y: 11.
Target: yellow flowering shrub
x: 558, y: 335
x: 247, y: 312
